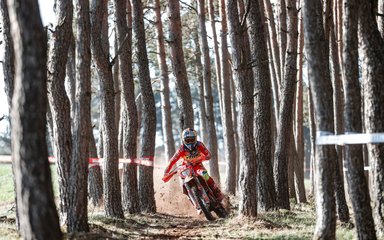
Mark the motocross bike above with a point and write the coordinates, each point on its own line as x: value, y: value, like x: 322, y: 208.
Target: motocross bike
x: 198, y: 191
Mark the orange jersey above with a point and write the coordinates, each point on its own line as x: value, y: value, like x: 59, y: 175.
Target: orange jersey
x: 199, y: 154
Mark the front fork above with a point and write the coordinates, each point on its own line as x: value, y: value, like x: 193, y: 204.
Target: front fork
x: 201, y: 190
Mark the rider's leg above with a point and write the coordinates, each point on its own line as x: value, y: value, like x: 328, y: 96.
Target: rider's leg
x: 210, y: 182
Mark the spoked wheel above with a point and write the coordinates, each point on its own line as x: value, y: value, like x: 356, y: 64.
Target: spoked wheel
x: 201, y: 204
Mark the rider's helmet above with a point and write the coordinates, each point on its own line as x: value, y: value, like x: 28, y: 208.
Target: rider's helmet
x: 189, y: 138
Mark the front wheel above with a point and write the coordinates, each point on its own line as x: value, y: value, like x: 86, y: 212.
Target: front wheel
x: 220, y: 211
x: 201, y: 204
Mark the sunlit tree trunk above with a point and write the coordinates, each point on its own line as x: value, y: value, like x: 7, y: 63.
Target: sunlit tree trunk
x: 380, y: 19
x: 244, y: 86
x: 372, y: 50
x: 283, y: 36
x: 34, y: 191
x: 321, y: 89
x: 100, y: 53
x: 183, y: 91
x: 358, y: 187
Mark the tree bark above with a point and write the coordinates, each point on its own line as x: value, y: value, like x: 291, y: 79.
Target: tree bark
x: 372, y: 49
x: 124, y: 32
x: 321, y: 89
x: 95, y: 178
x: 100, y: 53
x: 244, y: 85
x: 35, y: 200
x: 380, y: 20
x: 283, y: 36
x: 341, y: 203
x: 285, y: 115
x: 183, y: 91
x: 299, y: 160
x: 212, y: 137
x: 358, y: 187
x: 266, y: 194
x: 58, y: 100
x: 78, y: 211
x: 147, y: 150
x: 226, y: 116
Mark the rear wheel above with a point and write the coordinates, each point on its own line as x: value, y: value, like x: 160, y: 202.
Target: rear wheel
x: 201, y: 204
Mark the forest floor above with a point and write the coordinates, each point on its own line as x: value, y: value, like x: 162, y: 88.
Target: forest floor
x: 177, y: 219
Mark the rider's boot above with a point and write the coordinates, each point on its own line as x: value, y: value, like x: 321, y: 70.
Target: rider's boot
x: 215, y: 189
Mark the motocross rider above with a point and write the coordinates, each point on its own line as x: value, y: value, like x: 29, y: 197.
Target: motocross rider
x: 195, y: 152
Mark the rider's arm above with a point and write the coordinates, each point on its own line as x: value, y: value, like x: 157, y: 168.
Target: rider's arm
x: 204, y: 151
x: 173, y: 161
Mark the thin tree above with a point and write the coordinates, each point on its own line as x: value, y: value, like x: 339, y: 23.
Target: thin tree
x: 169, y: 142
x: 184, y: 98
x: 226, y: 116
x: 358, y: 187
x: 58, y: 99
x: 299, y: 143
x: 380, y: 18
x: 285, y: 115
x: 147, y: 150
x: 244, y: 85
x: 321, y: 89
x: 372, y: 49
x: 100, y: 53
x: 124, y: 33
x: 283, y: 36
x: 210, y: 116
x: 266, y: 194
x: 34, y: 190
x: 78, y: 198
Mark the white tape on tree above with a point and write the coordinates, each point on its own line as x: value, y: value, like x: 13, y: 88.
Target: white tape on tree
x: 327, y: 138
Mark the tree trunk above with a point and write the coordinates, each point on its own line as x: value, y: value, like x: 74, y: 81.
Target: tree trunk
x: 59, y: 102
x: 226, y: 116
x: 78, y: 201
x: 212, y: 137
x: 9, y: 55
x: 100, y: 52
x: 219, y: 80
x: 244, y: 85
x: 183, y: 91
x: 358, y: 187
x: 147, y: 150
x: 341, y: 203
x: 9, y: 76
x: 266, y: 194
x: 35, y: 200
x: 380, y: 21
x: 124, y: 32
x: 285, y: 115
x: 321, y: 88
x: 70, y: 78
x: 283, y: 36
x: 372, y: 49
x: 299, y: 160
x: 312, y: 133
x: 95, y: 178
x: 169, y: 142
x: 199, y: 70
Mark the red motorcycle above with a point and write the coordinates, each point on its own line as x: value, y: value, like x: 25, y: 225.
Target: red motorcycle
x: 198, y: 191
